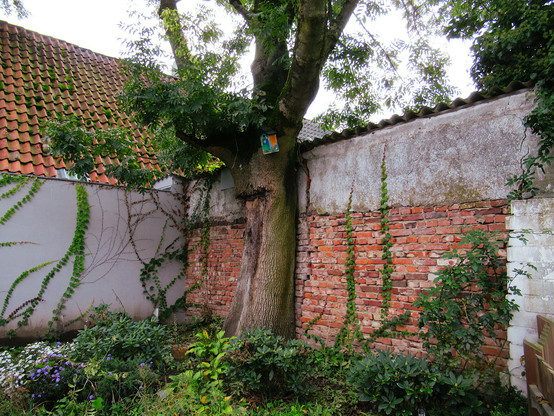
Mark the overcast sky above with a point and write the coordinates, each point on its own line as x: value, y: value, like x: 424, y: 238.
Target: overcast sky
x: 95, y: 25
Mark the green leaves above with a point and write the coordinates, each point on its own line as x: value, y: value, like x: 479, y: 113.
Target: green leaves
x: 368, y: 74
x: 268, y: 365
x: 468, y: 302
x: 402, y: 384
x: 513, y: 41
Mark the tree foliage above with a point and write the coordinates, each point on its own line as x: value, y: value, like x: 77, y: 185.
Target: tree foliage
x: 513, y: 40
x: 14, y: 6
x: 209, y: 99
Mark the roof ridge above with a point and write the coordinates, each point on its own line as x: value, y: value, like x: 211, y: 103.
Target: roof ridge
x: 424, y: 112
x: 35, y: 34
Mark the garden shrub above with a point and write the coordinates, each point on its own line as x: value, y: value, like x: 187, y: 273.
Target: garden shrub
x: 401, y: 385
x: 467, y: 303
x: 51, y: 378
x: 17, y: 364
x: 330, y: 368
x: 116, y: 333
x: 265, y: 364
x: 114, y: 379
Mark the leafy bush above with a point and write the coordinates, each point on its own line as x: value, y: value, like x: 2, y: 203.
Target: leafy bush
x: 114, y: 379
x: 116, y: 333
x: 51, y: 378
x: 265, y: 364
x: 208, y: 353
x: 506, y: 401
x: 400, y: 385
x: 468, y: 302
x: 17, y: 364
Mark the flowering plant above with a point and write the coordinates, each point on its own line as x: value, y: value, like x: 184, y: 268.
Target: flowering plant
x: 16, y: 367
x: 53, y: 377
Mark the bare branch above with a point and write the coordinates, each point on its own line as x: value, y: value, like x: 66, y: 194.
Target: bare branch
x: 379, y: 45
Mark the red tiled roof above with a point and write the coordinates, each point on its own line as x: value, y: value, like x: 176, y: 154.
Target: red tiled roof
x: 40, y: 75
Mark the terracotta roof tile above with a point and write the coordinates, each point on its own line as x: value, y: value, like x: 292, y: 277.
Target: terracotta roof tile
x: 39, y: 170
x: 40, y: 75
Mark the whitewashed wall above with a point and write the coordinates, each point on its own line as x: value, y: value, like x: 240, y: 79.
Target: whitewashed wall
x: 534, y: 221
x: 112, y: 266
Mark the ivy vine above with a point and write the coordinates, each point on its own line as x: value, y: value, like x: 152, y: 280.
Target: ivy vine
x: 153, y: 288
x: 77, y: 249
x: 386, y: 243
x: 20, y: 181
x: 351, y: 329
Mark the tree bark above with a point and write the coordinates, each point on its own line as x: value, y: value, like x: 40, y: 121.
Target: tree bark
x: 264, y: 296
x: 265, y: 185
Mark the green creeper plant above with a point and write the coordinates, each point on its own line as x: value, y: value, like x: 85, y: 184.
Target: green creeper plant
x: 386, y: 244
x: 153, y: 288
x: 468, y: 302
x: 20, y: 182
x: 351, y: 329
x: 76, y: 250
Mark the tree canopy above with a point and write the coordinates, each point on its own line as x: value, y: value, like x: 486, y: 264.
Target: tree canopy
x: 210, y: 98
x: 513, y: 40
x: 14, y: 6
x: 208, y: 106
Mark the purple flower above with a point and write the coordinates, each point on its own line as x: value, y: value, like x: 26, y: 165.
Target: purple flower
x: 91, y: 397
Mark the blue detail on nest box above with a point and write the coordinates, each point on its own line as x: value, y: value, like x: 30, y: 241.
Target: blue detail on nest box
x: 269, y: 143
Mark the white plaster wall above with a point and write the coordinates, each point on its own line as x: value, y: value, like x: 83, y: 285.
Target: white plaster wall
x: 111, y: 265
x: 223, y: 205
x: 457, y: 156
x: 534, y: 221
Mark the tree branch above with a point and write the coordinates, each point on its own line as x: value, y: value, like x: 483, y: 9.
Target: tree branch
x: 174, y: 33
x: 307, y: 60
x: 338, y: 24
x: 379, y: 45
x: 240, y: 9
x: 217, y: 146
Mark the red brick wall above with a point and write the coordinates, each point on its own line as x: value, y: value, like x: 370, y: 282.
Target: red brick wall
x: 420, y: 236
x: 224, y: 255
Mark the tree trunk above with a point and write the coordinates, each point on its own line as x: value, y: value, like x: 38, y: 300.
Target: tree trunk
x: 267, y: 193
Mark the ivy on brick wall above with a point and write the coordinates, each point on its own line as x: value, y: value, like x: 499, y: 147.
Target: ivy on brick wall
x: 351, y: 329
